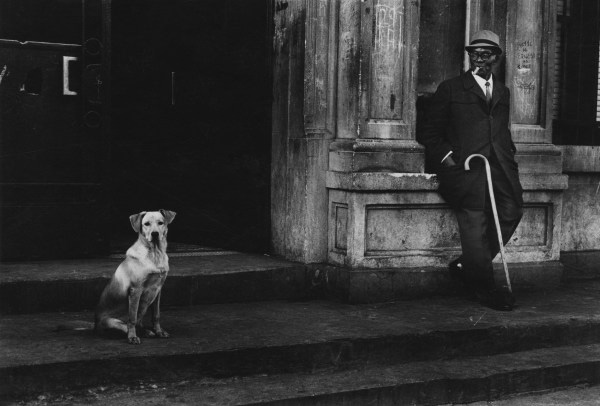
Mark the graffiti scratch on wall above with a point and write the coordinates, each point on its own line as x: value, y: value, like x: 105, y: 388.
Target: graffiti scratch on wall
x: 388, y: 34
x: 3, y: 73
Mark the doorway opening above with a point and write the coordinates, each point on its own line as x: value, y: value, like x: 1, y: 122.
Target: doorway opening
x: 191, y: 121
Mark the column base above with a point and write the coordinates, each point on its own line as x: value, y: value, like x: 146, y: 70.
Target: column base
x: 380, y: 221
x: 374, y: 155
x: 391, y: 284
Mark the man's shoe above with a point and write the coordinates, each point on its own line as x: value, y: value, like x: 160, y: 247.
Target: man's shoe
x: 457, y: 273
x: 456, y: 270
x: 496, y: 299
x: 508, y: 296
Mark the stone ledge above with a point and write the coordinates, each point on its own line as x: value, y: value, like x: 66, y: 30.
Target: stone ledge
x: 539, y: 158
x: 542, y: 181
x: 580, y: 158
x: 538, y: 149
x: 73, y: 285
x: 376, y: 145
x: 395, y: 181
x: 380, y: 181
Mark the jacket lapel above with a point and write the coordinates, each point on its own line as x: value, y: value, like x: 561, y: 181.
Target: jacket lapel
x: 471, y: 85
x: 497, y: 94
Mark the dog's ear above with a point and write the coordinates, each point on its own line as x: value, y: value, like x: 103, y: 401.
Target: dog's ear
x: 168, y: 215
x: 136, y: 221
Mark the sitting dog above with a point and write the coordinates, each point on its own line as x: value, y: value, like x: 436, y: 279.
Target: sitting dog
x: 137, y: 282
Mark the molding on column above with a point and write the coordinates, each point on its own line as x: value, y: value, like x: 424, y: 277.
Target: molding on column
x: 320, y: 68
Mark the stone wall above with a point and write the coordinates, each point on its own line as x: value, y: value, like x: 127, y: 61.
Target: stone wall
x: 581, y: 202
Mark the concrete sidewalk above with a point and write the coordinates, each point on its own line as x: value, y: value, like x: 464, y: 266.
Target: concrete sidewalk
x: 278, y: 338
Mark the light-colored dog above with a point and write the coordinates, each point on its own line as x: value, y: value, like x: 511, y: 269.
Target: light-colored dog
x: 137, y: 282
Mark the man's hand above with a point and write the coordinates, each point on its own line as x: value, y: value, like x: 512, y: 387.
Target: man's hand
x: 449, y: 162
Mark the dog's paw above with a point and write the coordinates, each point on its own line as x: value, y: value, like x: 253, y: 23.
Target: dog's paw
x: 134, y: 340
x: 149, y: 333
x: 162, y: 334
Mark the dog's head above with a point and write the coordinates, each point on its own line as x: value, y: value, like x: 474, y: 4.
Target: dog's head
x: 152, y: 225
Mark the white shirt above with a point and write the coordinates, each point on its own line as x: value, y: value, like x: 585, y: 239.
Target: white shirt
x: 481, y: 82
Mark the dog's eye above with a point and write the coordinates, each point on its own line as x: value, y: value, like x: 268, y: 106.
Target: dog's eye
x: 160, y: 223
x: 147, y: 223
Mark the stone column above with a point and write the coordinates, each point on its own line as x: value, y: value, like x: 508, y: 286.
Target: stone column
x: 381, y: 204
x: 305, y: 51
x: 530, y: 51
x: 388, y: 69
x: 348, y: 74
x: 376, y: 113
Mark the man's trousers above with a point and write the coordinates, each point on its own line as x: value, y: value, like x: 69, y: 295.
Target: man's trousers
x: 478, y: 236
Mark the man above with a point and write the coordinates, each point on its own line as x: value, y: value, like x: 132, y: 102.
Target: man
x: 468, y: 115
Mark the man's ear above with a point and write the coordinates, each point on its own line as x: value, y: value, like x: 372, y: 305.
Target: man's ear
x: 136, y: 221
x: 168, y: 215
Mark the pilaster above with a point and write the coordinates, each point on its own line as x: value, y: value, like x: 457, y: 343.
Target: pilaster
x: 377, y: 188
x: 304, y: 83
x: 376, y: 115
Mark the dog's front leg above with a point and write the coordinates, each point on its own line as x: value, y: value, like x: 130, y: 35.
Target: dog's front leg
x: 134, y: 295
x: 155, y: 308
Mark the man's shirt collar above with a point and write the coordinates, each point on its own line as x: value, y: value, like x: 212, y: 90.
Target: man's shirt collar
x: 481, y: 82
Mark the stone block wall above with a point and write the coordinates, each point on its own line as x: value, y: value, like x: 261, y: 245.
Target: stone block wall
x: 581, y: 204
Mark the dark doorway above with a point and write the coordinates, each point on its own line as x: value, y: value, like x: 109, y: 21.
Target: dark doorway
x: 52, y: 155
x: 191, y: 102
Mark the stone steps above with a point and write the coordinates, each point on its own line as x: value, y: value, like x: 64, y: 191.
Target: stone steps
x: 464, y: 380
x: 534, y: 347
x: 226, y: 277
x: 76, y: 285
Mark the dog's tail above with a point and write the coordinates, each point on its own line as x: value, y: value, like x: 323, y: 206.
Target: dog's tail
x: 75, y: 325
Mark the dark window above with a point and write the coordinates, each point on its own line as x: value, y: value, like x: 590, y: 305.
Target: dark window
x: 577, y: 115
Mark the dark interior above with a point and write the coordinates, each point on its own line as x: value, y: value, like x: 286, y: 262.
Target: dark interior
x: 191, y: 119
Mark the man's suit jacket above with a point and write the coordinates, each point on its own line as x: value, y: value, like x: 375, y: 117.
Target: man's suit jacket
x: 460, y: 120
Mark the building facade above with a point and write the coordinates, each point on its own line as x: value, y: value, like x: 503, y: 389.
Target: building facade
x: 291, y: 124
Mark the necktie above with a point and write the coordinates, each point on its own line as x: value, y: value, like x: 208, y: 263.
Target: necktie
x: 488, y: 93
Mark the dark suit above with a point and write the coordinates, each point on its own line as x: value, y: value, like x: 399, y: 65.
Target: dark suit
x: 460, y: 120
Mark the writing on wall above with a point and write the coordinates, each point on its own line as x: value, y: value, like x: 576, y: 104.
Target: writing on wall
x: 525, y: 55
x: 526, y: 82
x: 3, y: 73
x: 388, y: 27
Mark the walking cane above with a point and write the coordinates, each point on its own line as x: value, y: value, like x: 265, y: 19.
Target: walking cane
x: 494, y: 211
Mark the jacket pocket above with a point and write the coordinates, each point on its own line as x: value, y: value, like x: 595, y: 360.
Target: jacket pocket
x: 451, y: 184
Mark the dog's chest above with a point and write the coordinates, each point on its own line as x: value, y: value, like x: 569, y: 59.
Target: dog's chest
x: 152, y: 286
x: 158, y: 269
x: 155, y: 280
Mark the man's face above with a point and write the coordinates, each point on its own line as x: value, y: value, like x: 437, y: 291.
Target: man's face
x: 483, y: 59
